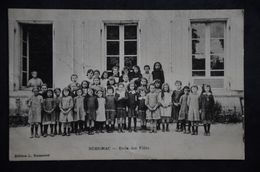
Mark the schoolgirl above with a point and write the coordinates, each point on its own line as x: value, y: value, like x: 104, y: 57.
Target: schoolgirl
x: 165, y: 106
x: 115, y: 74
x: 57, y: 100
x: 153, y: 111
x: 35, y: 103
x: 121, y: 98
x: 157, y: 72
x: 101, y: 116
x: 110, y: 109
x: 96, y: 86
x: 43, y: 92
x: 147, y: 74
x: 158, y: 89
x: 143, y: 86
x: 125, y: 71
x: 104, y: 79
x: 132, y: 105
x: 74, y: 85
x: 141, y: 108
x: 90, y: 76
x: 207, y: 107
x: 112, y: 83
x: 48, y: 115
x: 96, y: 73
x: 158, y: 86
x: 136, y: 76
x: 184, y: 109
x: 84, y: 87
x: 176, y: 95
x: 193, y: 114
x: 66, y: 108
x: 91, y: 105
x: 125, y: 81
x: 79, y: 112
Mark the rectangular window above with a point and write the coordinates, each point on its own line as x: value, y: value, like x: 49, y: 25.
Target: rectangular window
x: 121, y: 45
x: 36, y: 52
x: 208, y: 49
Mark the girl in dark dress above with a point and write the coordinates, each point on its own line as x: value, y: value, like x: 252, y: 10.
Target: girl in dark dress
x: 206, y: 108
x: 91, y: 105
x: 158, y: 72
x: 136, y: 75
x: 132, y: 104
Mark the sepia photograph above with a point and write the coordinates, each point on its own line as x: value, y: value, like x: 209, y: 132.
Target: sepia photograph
x: 126, y: 84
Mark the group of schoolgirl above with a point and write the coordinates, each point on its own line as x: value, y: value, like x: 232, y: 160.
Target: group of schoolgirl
x: 102, y: 100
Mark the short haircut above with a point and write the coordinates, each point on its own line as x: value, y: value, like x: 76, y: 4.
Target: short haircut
x: 79, y: 89
x: 128, y: 86
x: 96, y: 77
x: 57, y: 89
x: 115, y: 67
x: 121, y: 83
x: 176, y: 82
x: 97, y: 71
x: 50, y: 90
x: 34, y: 72
x: 89, y: 71
x: 195, y: 86
x: 65, y: 89
x: 147, y: 66
x: 73, y: 75
x: 35, y: 88
x: 110, y: 88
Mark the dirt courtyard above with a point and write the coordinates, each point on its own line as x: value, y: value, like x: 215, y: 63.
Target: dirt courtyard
x: 225, y: 142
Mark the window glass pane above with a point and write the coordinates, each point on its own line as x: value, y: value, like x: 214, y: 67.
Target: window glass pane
x: 198, y: 30
x: 112, y: 48
x: 113, y: 32
x: 217, y: 30
x: 24, y: 33
x: 24, y: 49
x: 24, y: 64
x: 198, y: 73
x: 198, y: 62
x: 198, y: 46
x: 111, y: 62
x: 130, y: 32
x: 217, y: 73
x: 130, y: 47
x: 216, y: 46
x: 24, y: 81
x: 130, y: 61
x: 217, y: 62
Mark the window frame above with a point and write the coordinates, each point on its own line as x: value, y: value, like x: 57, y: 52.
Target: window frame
x: 20, y: 47
x: 207, y: 48
x: 121, y: 24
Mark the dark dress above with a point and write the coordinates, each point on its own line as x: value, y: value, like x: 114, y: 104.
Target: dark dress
x: 91, y: 106
x: 121, y: 104
x: 57, y: 108
x: 176, y: 95
x: 141, y: 108
x: 207, y: 107
x: 158, y: 74
x: 110, y: 107
x: 131, y: 103
x: 137, y: 78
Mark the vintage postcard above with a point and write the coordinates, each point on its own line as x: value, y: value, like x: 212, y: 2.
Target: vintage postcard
x: 126, y: 84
